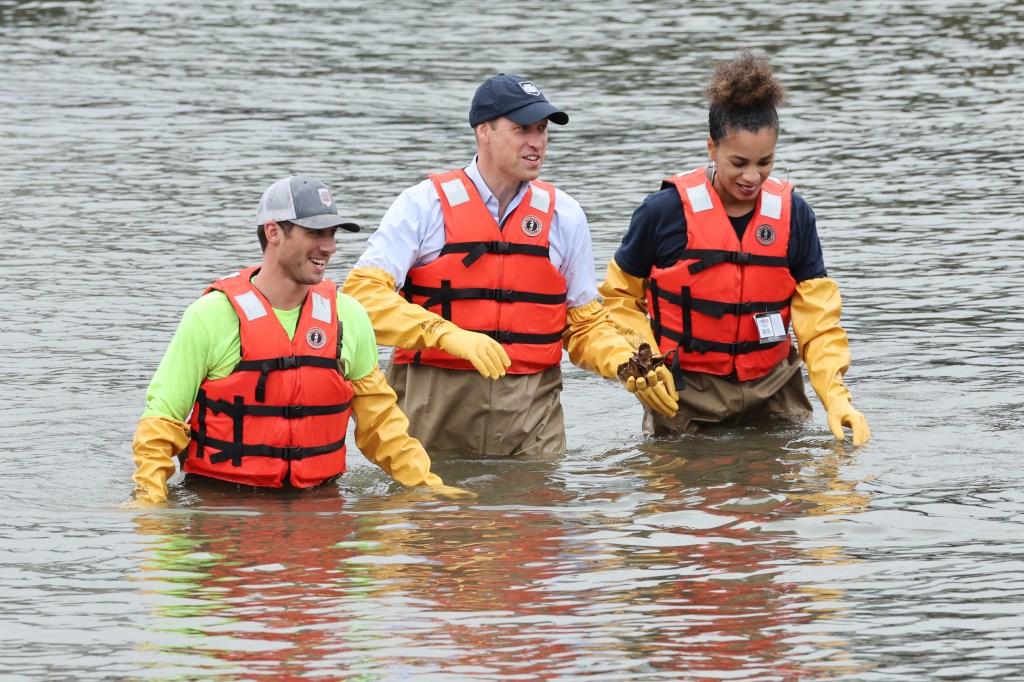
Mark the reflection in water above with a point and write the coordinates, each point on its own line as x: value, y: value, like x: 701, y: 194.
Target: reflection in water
x: 132, y: 168
x: 683, y: 573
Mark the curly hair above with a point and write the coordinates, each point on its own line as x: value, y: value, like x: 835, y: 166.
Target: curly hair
x: 743, y: 93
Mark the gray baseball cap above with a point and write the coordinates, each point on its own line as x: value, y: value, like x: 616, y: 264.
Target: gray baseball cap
x: 301, y: 200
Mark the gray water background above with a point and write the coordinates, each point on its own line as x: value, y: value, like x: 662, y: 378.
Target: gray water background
x: 135, y: 139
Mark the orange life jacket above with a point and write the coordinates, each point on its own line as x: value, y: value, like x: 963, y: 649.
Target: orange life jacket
x: 283, y: 411
x: 493, y: 280
x: 703, y: 306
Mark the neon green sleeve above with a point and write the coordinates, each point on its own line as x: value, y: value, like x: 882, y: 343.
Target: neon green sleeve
x: 206, y: 344
x: 359, y: 343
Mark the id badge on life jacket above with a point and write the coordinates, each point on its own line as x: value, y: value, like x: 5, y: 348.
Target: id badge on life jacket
x: 770, y: 327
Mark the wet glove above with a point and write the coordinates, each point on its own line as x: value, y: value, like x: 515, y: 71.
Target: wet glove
x: 157, y: 441
x: 485, y: 354
x: 657, y: 390
x: 815, y: 308
x: 840, y: 414
x: 594, y: 343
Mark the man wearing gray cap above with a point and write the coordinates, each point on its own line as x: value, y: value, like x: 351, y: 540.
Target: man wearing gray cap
x: 270, y: 362
x: 496, y: 276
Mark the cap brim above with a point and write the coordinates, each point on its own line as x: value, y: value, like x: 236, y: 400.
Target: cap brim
x: 538, y: 111
x: 323, y: 221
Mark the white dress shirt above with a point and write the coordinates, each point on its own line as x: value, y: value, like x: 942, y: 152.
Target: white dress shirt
x: 411, y: 234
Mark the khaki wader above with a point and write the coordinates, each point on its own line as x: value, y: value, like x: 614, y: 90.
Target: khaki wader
x: 710, y: 399
x: 461, y: 413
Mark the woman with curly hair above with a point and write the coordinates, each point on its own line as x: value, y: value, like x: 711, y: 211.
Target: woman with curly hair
x: 716, y: 266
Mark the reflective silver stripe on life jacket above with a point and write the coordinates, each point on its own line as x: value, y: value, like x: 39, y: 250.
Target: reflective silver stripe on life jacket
x: 700, y: 200
x: 251, y: 305
x: 539, y: 199
x: 771, y: 205
x: 321, y: 308
x: 455, y: 191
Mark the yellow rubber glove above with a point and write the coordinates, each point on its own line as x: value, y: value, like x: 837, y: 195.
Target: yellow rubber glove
x: 594, y: 343
x: 657, y: 390
x: 157, y: 441
x: 625, y: 299
x: 487, y: 355
x: 382, y: 434
x: 815, y: 309
x: 402, y: 324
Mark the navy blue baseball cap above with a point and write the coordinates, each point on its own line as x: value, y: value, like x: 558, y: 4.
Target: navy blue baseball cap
x: 515, y: 98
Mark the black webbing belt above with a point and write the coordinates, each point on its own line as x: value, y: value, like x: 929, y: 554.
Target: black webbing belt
x: 265, y: 367
x: 474, y: 250
x: 445, y: 293
x: 708, y: 257
x: 236, y: 452
x: 285, y: 411
x: 503, y: 336
x: 238, y: 410
x: 717, y: 309
x: 690, y: 344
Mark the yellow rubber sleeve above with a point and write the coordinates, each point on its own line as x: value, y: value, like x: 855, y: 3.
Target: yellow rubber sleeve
x: 382, y: 433
x: 593, y: 342
x: 157, y: 440
x: 625, y: 299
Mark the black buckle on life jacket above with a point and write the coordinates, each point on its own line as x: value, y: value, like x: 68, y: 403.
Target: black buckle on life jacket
x: 293, y: 411
x: 697, y: 346
x: 502, y: 336
x: 290, y: 362
x: 486, y: 247
x: 739, y: 257
x: 504, y: 295
x: 292, y: 454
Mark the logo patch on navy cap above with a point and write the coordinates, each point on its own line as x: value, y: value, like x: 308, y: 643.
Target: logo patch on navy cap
x: 325, y: 197
x: 529, y: 88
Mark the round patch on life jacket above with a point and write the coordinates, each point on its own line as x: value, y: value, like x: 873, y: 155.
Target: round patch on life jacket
x: 316, y: 338
x: 532, y: 225
x: 766, y: 234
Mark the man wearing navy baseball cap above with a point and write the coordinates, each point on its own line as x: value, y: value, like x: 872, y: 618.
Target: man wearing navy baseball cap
x: 259, y: 382
x: 515, y: 98
x: 496, y: 276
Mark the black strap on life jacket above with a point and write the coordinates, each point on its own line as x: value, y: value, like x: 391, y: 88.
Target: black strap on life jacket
x: 238, y: 410
x: 199, y: 437
x: 708, y: 257
x: 265, y: 367
x: 444, y: 294
x: 235, y: 451
x: 718, y: 309
x: 686, y: 342
x: 690, y: 344
x: 474, y: 250
x: 283, y: 411
x: 504, y: 336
